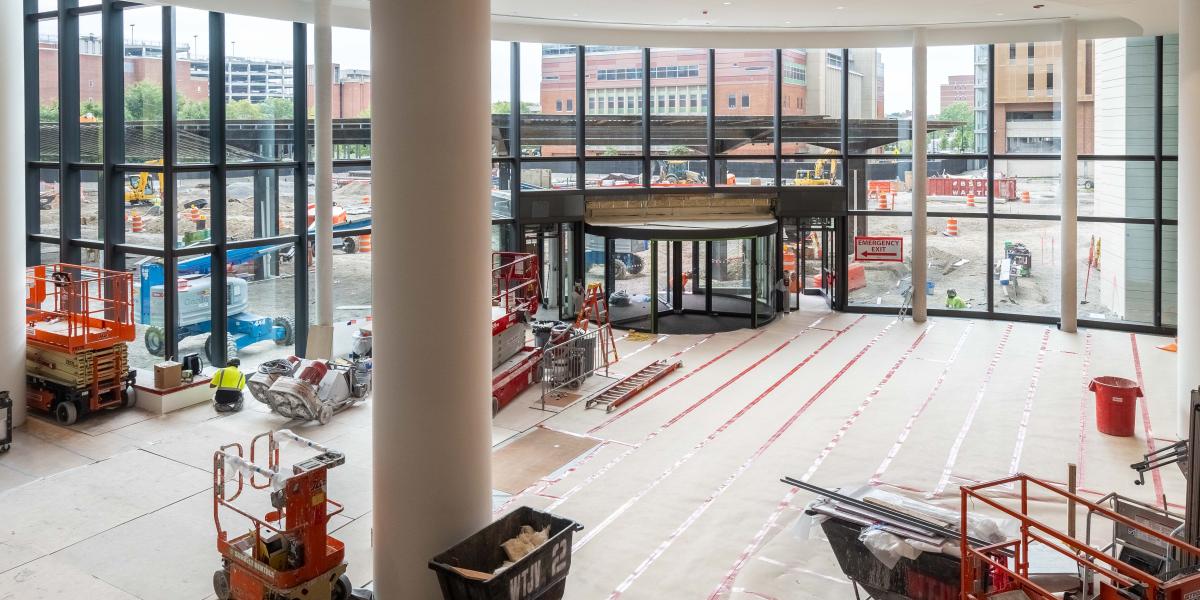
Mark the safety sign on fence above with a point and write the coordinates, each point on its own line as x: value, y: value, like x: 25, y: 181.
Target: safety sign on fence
x: 878, y: 249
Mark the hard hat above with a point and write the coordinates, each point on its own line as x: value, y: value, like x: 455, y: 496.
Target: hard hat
x: 951, y: 293
x: 233, y: 362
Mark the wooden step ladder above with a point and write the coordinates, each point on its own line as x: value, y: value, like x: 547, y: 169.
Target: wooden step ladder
x: 595, y: 308
x: 620, y: 392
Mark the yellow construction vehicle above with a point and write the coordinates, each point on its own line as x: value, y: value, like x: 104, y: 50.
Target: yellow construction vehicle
x: 144, y: 189
x: 821, y: 168
x: 676, y: 171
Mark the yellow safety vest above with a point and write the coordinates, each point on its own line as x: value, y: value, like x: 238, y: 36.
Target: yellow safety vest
x: 228, y: 378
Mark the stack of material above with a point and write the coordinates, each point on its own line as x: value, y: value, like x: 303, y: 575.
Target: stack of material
x: 79, y: 369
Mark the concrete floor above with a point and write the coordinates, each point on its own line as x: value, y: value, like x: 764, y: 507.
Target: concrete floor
x: 680, y: 498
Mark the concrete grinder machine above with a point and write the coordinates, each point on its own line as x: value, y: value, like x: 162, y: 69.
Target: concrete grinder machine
x: 310, y: 389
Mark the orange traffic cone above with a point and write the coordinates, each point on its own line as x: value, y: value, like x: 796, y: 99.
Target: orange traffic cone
x: 1025, y: 197
x: 970, y: 200
x: 1172, y: 347
x: 136, y: 224
x: 952, y: 227
x: 364, y: 243
x: 194, y: 214
x: 883, y: 201
x: 730, y: 179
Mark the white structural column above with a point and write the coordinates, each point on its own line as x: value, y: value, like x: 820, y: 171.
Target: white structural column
x: 1189, y: 212
x: 12, y: 210
x: 920, y: 171
x: 1068, y: 185
x: 431, y: 263
x: 323, y: 107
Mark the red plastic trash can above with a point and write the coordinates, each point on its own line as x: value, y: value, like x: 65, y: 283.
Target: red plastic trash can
x: 1116, y: 404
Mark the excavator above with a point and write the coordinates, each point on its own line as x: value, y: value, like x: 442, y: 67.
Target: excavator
x: 144, y: 189
x: 817, y: 176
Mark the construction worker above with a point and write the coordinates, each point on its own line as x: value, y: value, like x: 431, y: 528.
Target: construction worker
x: 953, y: 300
x: 229, y: 382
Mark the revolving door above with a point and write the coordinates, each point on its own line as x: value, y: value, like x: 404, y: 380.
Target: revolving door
x: 685, y: 286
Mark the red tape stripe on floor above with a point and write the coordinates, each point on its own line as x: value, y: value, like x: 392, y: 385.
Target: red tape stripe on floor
x: 727, y: 582
x: 912, y: 419
x: 1027, y: 410
x: 1145, y: 404
x: 587, y: 457
x: 733, y: 477
x: 596, y: 529
x: 1084, y: 400
x: 966, y: 426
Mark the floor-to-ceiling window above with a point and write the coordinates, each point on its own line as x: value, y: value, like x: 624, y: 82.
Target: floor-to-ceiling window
x: 215, y: 165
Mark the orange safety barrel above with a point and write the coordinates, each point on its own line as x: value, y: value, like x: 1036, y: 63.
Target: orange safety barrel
x: 1116, y: 404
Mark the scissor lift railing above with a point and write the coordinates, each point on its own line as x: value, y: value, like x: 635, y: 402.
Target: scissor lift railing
x: 515, y: 282
x: 986, y: 574
x: 74, y: 308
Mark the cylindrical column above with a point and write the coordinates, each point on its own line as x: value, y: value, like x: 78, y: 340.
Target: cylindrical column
x: 323, y: 134
x: 12, y: 210
x: 1188, y: 257
x: 432, y: 232
x: 920, y: 172
x: 1068, y: 186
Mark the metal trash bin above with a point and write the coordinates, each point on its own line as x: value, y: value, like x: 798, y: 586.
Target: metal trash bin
x: 541, y: 332
x: 540, y: 575
x: 586, y: 344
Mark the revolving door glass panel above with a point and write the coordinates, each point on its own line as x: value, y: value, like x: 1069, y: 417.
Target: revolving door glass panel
x: 629, y: 271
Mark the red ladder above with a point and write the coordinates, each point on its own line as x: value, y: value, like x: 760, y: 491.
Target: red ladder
x: 620, y: 392
x: 595, y: 308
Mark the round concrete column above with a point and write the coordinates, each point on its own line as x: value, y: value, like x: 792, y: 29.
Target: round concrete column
x: 12, y: 210
x: 1068, y: 188
x: 920, y: 171
x: 1189, y: 213
x: 431, y: 268
x: 322, y: 107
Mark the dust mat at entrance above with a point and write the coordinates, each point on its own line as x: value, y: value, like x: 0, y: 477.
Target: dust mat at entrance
x: 534, y: 456
x: 560, y: 399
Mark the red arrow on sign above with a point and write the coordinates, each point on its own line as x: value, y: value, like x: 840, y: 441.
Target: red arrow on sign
x: 878, y: 253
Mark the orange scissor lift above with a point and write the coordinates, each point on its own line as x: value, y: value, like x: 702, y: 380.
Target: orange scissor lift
x: 77, y: 321
x: 1003, y: 569
x: 287, y: 554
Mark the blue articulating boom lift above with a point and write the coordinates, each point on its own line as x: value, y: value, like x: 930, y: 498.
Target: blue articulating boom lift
x: 194, y: 288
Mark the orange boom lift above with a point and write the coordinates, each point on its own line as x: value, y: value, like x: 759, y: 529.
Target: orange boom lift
x: 287, y: 554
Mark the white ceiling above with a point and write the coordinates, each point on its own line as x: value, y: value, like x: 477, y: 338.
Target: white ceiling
x: 770, y: 23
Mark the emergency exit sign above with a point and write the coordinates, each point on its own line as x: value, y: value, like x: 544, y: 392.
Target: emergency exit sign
x: 878, y: 249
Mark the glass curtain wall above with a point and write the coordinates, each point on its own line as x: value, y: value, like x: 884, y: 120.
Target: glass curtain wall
x: 216, y: 163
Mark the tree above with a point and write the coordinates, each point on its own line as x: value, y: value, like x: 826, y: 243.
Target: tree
x: 91, y: 107
x: 278, y: 108
x: 243, y: 110
x: 143, y: 102
x: 960, y: 138
x: 189, y: 110
x: 48, y: 112
x: 504, y: 107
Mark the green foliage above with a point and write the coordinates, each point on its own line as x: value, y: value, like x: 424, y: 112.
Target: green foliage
x: 960, y: 138
x: 242, y: 110
x: 143, y: 102
x: 504, y: 107
x: 91, y: 107
x: 189, y: 110
x: 278, y: 108
x: 48, y: 112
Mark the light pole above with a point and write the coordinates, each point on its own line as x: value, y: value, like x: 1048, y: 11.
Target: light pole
x: 233, y: 49
x: 131, y: 26
x: 195, y: 40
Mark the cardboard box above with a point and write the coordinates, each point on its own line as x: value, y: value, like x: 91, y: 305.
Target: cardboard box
x: 168, y: 374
